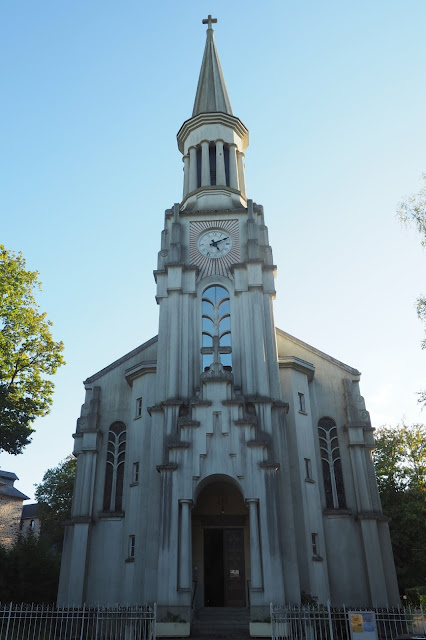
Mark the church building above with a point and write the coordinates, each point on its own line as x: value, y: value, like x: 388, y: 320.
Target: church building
x: 224, y: 462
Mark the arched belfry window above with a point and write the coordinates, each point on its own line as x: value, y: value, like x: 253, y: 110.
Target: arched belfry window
x: 216, y: 328
x: 114, y: 472
x: 331, y: 464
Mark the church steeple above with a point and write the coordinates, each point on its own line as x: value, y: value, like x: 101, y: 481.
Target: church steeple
x: 211, y: 95
x: 213, y: 142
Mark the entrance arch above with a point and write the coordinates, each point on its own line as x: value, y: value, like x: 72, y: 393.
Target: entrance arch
x: 220, y: 544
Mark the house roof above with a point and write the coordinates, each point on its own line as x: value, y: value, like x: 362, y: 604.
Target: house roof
x: 8, y: 476
x: 11, y: 492
x: 29, y: 510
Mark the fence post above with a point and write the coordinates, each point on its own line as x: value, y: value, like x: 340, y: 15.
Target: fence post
x: 330, y: 624
x: 82, y: 622
x: 97, y: 620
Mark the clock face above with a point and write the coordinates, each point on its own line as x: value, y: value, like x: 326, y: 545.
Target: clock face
x: 214, y: 243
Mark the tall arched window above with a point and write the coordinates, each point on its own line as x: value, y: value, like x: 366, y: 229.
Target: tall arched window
x: 331, y: 464
x: 216, y: 328
x: 114, y: 472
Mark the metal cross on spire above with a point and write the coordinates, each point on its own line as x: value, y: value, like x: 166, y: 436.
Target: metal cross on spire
x: 209, y: 21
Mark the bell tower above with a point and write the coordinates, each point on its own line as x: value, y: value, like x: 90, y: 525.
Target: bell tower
x: 215, y: 235
x: 218, y: 397
x: 213, y: 141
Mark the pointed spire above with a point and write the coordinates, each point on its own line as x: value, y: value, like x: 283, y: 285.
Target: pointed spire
x: 211, y: 95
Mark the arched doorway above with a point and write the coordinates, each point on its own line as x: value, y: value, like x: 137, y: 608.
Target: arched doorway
x: 220, y: 536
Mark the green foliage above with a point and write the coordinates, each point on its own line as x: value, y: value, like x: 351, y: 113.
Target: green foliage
x: 421, y: 312
x: 412, y: 211
x: 400, y: 460
x: 416, y: 595
x: 27, y: 353
x: 400, y: 457
x: 54, y: 497
x: 30, y: 571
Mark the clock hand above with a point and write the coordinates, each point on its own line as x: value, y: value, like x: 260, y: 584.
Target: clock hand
x: 213, y: 243
x: 221, y: 240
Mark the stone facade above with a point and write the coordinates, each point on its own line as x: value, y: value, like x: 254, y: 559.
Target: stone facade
x: 10, y: 509
x: 223, y: 462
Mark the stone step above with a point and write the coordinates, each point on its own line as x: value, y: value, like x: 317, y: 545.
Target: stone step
x: 221, y: 622
x: 223, y: 612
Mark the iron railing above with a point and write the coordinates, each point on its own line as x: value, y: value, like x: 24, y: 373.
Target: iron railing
x: 45, y: 622
x: 324, y: 622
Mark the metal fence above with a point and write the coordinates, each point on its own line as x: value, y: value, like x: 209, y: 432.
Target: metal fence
x: 43, y: 622
x: 324, y: 622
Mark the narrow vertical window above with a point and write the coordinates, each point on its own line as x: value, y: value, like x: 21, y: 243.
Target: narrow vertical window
x: 302, y: 402
x: 226, y: 159
x: 216, y: 328
x: 132, y: 546
x: 138, y: 413
x: 308, y: 469
x: 212, y: 157
x: 199, y: 161
x: 135, y: 472
x: 114, y: 472
x: 331, y: 464
x: 314, y: 537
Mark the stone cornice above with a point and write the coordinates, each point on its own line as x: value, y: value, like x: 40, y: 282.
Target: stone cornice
x: 140, y: 369
x: 212, y: 118
x: 166, y: 467
x: 291, y: 362
x: 372, y: 515
x: 212, y: 189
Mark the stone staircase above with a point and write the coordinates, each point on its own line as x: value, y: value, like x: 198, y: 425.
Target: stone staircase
x: 221, y: 622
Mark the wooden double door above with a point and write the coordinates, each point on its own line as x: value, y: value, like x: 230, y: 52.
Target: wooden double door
x: 224, y: 572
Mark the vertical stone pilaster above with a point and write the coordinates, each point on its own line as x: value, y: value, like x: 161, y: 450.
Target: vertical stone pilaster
x: 185, y: 175
x: 192, y: 169
x: 241, y: 178
x: 233, y: 166
x: 174, y: 339
x: 185, y: 546
x: 255, y: 559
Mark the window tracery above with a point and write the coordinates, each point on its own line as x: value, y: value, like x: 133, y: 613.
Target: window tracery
x: 216, y: 344
x: 331, y: 464
x: 114, y: 472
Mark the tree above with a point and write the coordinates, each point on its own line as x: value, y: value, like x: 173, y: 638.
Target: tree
x: 27, y: 353
x: 30, y: 571
x: 54, y: 497
x: 412, y: 211
x: 400, y: 460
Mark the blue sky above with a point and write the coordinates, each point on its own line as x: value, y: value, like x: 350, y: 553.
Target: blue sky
x: 333, y: 94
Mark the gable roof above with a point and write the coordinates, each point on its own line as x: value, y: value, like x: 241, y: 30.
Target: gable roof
x: 121, y: 360
x: 319, y: 353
